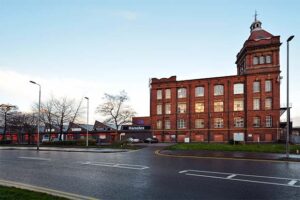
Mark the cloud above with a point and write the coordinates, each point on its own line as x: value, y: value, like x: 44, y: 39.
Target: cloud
x: 127, y: 15
x: 16, y: 89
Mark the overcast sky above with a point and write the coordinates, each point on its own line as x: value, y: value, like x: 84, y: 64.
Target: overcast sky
x: 80, y: 48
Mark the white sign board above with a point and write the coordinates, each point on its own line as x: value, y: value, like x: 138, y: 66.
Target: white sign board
x: 102, y: 137
x: 76, y: 129
x: 238, y: 137
x: 186, y: 140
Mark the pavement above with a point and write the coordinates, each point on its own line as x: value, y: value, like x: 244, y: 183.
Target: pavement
x: 229, y: 155
x: 90, y: 150
x: 175, y: 153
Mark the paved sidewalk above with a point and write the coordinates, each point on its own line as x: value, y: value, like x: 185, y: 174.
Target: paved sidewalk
x: 94, y: 150
x: 233, y: 155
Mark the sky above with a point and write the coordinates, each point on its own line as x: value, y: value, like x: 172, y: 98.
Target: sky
x: 79, y: 48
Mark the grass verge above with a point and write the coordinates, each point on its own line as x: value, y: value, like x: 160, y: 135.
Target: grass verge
x: 8, y: 193
x: 265, y: 148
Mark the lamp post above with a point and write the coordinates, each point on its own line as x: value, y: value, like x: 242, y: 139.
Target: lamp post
x: 287, y: 99
x: 87, y: 122
x: 38, y: 135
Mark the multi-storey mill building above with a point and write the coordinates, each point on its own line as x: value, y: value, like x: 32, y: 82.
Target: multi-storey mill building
x: 214, y: 109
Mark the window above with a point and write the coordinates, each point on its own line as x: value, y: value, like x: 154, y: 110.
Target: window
x: 159, y: 94
x: 199, y: 123
x: 168, y: 93
x: 167, y: 108
x: 261, y: 60
x: 238, y: 104
x: 159, y: 109
x: 255, y: 60
x: 218, y: 90
x: 218, y: 123
x: 158, y: 124
x: 181, y: 107
x: 181, y: 123
x: 256, y: 104
x: 268, y: 59
x: 199, y: 91
x: 268, y: 85
x: 218, y: 106
x: 181, y: 92
x: 239, y: 122
x: 269, y: 121
x: 268, y: 103
x: 256, y: 121
x: 238, y: 88
x: 256, y: 86
x: 199, y: 107
x: 167, y: 124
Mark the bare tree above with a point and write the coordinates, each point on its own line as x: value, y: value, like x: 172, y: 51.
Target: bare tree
x: 6, y: 112
x: 57, y: 112
x: 65, y: 112
x: 115, y: 109
x: 24, y: 123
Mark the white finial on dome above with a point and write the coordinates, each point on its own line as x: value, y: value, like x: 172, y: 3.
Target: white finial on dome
x: 256, y: 25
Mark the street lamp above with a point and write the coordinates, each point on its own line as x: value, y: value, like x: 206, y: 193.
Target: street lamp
x: 87, y: 122
x: 38, y: 135
x: 287, y: 99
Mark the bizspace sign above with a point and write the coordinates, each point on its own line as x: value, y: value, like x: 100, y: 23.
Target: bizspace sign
x: 135, y: 128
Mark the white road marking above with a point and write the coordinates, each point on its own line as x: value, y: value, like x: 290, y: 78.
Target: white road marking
x: 231, y: 176
x: 243, y: 177
x: 35, y: 158
x: 116, y: 165
x: 292, y: 182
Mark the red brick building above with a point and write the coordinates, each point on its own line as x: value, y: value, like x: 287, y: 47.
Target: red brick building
x: 216, y: 109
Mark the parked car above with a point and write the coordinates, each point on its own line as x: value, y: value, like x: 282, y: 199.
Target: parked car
x: 45, y: 138
x: 151, y: 140
x: 133, y: 140
x: 55, y: 140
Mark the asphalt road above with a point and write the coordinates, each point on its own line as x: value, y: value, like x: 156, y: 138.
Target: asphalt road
x: 143, y: 175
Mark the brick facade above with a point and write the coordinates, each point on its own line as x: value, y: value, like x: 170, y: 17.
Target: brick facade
x: 174, y: 118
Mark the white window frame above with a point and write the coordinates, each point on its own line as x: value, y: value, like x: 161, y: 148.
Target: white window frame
x: 181, y: 124
x: 158, y: 124
x: 199, y: 107
x: 238, y: 105
x: 181, y: 92
x: 181, y: 107
x: 255, y: 60
x: 158, y: 94
x: 167, y: 108
x: 261, y: 60
x: 268, y: 103
x: 167, y: 124
x: 268, y: 86
x: 159, y: 109
x: 256, y: 104
x: 268, y: 59
x: 239, y: 122
x: 238, y: 88
x: 218, y: 90
x: 168, y: 94
x: 256, y: 86
x: 199, y: 91
x: 268, y: 121
x: 199, y: 123
x: 256, y: 122
x: 218, y: 123
x: 218, y: 106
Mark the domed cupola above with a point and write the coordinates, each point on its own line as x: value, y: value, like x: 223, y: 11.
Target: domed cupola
x: 256, y: 25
